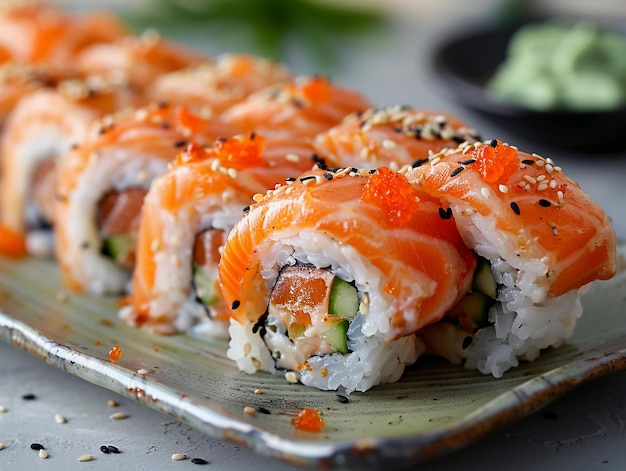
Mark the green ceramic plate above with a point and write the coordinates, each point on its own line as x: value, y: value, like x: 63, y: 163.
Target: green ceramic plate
x: 434, y: 409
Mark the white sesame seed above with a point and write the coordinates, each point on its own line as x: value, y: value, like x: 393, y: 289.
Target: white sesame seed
x: 527, y: 186
x: 257, y: 197
x: 521, y: 184
x: 85, y: 458
x: 549, y: 168
x: 389, y: 144
x: 179, y: 456
x: 2, y: 409
x: 559, y: 195
x: 539, y: 163
x: 112, y: 403
x: 485, y: 192
x: 43, y: 454
x: 364, y: 153
x: 1, y: 445
x: 553, y: 184
x: 118, y: 416
x: 503, y: 188
x: 534, y: 154
x: 60, y: 419
x: 542, y: 186
x: 292, y: 157
x: 557, y: 168
x: 291, y: 377
x: 232, y: 173
x: 249, y: 410
x: 61, y: 296
x: 541, y: 178
x: 247, y: 348
x: 549, y: 161
x: 215, y: 164
x: 435, y: 161
x: 142, y: 371
x: 258, y: 391
x: 530, y: 179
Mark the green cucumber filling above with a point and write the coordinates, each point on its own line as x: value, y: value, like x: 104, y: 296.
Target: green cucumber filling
x: 119, y: 247
x: 206, y: 253
x: 472, y: 311
x: 316, y: 308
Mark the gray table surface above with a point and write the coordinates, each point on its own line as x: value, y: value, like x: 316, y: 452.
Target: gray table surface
x: 585, y: 430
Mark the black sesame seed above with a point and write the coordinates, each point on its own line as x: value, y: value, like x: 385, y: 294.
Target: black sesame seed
x: 544, y: 203
x: 236, y: 303
x: 445, y: 213
x: 36, y: 446
x: 467, y: 162
x: 165, y: 125
x: 29, y: 397
x: 163, y: 104
x: 418, y: 163
x: 417, y: 133
x: 180, y: 143
x: 113, y: 449
x: 341, y: 398
x: 306, y: 179
x: 467, y: 341
x: 252, y: 136
x: 458, y: 139
x: 528, y: 161
x: 456, y: 171
x: 494, y: 143
x: 263, y: 410
x: 222, y: 139
x: 328, y: 175
x: 515, y: 208
x: 246, y: 209
x: 397, y: 129
x: 290, y: 179
x: 105, y: 450
x: 199, y: 461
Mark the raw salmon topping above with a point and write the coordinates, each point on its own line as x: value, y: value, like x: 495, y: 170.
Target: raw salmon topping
x: 496, y: 161
x: 393, y: 193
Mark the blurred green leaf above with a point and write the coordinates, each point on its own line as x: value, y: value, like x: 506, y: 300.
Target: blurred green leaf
x: 270, y: 24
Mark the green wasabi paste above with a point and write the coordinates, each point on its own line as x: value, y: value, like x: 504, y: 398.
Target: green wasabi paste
x: 551, y: 66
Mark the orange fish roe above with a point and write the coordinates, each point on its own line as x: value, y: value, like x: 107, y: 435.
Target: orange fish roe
x: 496, y: 161
x: 12, y: 244
x: 244, y: 150
x: 115, y: 354
x: 308, y: 420
x: 392, y: 193
x: 316, y: 89
x: 187, y: 119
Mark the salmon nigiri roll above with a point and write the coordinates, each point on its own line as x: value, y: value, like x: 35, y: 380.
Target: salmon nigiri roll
x: 540, y: 239
x: 38, y: 134
x: 213, y: 86
x: 101, y: 185
x: 330, y: 276
x: 301, y: 108
x: 391, y: 137
x: 186, y: 216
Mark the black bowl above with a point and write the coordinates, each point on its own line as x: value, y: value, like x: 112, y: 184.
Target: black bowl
x: 465, y: 63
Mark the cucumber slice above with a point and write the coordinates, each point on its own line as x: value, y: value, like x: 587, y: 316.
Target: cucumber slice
x: 475, y: 308
x: 344, y: 299
x: 205, y: 288
x: 335, y: 335
x: 484, y: 280
x: 118, y: 246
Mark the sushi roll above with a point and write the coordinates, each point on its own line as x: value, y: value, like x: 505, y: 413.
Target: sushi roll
x: 40, y: 131
x: 302, y: 108
x: 138, y: 60
x: 101, y: 185
x: 186, y: 216
x: 213, y: 86
x: 329, y: 276
x: 540, y: 239
x: 392, y: 136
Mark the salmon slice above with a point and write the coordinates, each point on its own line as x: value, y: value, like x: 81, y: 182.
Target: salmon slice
x: 410, y: 258
x: 302, y: 108
x: 391, y: 137
x: 213, y: 86
x: 524, y: 209
x: 122, y: 151
x: 185, y: 217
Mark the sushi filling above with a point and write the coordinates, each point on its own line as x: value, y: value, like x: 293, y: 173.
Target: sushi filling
x: 40, y: 212
x: 310, y: 309
x: 118, y: 219
x: 206, y: 255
